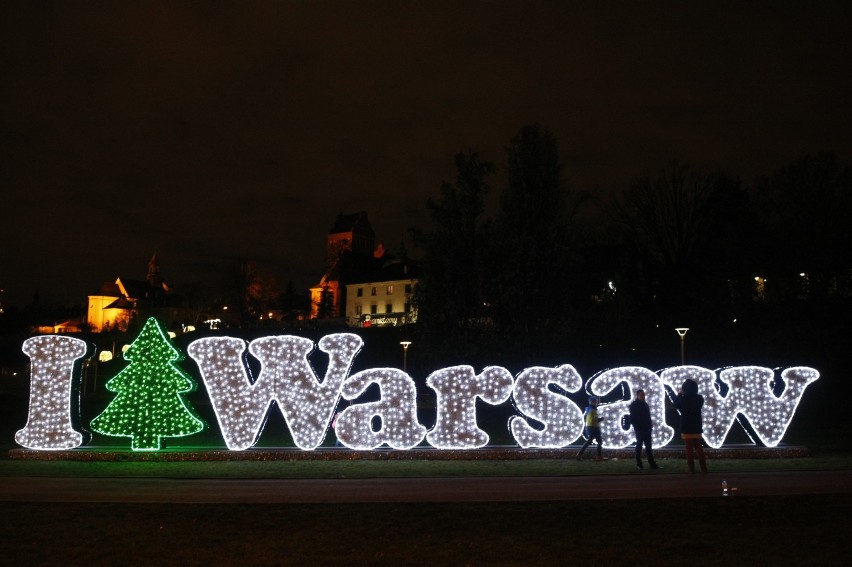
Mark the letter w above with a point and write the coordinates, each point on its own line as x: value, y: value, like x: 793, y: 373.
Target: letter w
x: 752, y: 394
x: 285, y: 377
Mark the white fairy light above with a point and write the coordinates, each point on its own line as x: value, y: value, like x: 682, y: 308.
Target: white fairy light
x: 307, y: 404
x: 54, y: 393
x: 396, y: 410
x: 716, y: 417
x: 150, y: 402
x: 763, y: 400
x: 457, y: 388
x: 636, y: 378
x: 562, y: 420
x: 750, y: 396
x: 285, y: 377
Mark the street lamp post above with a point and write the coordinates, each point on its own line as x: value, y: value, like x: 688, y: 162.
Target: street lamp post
x: 405, y: 345
x: 682, y: 332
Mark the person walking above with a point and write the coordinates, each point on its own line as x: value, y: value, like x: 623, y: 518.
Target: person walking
x: 640, y: 419
x: 689, y: 403
x: 592, y: 428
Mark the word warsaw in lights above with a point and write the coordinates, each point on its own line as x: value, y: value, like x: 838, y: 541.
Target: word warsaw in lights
x: 151, y: 405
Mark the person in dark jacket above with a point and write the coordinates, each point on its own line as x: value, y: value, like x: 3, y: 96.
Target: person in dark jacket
x: 640, y: 419
x: 689, y: 403
x: 592, y: 428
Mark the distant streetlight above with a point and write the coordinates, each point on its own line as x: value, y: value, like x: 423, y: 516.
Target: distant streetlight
x: 405, y: 345
x: 682, y: 332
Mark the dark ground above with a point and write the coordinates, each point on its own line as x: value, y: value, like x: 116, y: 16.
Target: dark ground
x: 786, y: 530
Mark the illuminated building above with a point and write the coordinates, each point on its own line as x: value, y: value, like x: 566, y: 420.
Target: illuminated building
x: 115, y: 304
x: 384, y: 295
x: 363, y: 284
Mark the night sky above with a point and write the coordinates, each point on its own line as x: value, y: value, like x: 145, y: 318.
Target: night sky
x: 210, y: 132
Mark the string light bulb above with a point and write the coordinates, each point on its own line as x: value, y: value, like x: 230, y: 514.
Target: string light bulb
x: 54, y: 411
x: 395, y: 412
x: 749, y: 399
x: 151, y: 402
x: 611, y: 414
x: 286, y: 377
x: 561, y: 421
x: 457, y: 389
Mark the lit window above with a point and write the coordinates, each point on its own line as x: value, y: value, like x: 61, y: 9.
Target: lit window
x: 373, y: 290
x: 390, y: 290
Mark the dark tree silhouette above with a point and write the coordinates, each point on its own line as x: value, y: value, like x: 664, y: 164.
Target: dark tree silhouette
x: 250, y: 290
x: 805, y: 208
x: 532, y: 260
x: 450, y: 297
x: 690, y: 232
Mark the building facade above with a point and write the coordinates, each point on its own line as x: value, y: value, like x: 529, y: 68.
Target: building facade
x: 364, y: 286
x: 114, y: 305
x: 384, y: 298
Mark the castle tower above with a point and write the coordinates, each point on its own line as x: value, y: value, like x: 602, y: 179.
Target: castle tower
x: 350, y: 233
x: 349, y: 244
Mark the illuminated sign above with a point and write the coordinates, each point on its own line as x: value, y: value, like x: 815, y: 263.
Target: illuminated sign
x: 53, y: 420
x: 150, y: 403
x: 387, y: 320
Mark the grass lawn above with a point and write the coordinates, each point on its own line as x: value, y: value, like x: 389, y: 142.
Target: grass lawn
x: 399, y: 469
x: 806, y: 530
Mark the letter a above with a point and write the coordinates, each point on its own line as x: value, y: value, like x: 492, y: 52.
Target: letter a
x: 636, y: 378
x: 396, y: 412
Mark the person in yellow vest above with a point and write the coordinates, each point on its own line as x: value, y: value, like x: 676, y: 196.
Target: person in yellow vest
x: 592, y: 429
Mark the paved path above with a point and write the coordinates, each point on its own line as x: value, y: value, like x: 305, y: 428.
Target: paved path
x: 502, y: 489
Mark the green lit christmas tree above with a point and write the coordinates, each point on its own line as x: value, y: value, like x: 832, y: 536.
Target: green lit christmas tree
x: 150, y: 403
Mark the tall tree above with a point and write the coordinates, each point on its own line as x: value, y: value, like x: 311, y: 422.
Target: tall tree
x: 532, y: 263
x: 687, y: 229
x: 450, y: 296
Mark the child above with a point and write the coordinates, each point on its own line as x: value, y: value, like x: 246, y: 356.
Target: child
x: 592, y: 431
